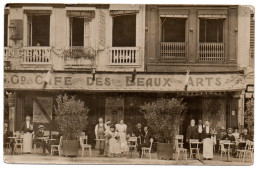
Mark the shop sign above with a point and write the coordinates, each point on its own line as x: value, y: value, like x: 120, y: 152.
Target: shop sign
x: 122, y: 82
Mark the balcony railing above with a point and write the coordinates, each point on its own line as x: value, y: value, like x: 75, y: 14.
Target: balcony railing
x: 36, y: 55
x: 211, y: 52
x: 124, y: 56
x: 173, y: 50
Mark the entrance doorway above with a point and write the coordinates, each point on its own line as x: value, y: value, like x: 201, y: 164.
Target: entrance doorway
x: 194, y: 111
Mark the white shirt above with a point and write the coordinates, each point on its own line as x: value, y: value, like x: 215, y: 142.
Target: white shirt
x: 28, y: 124
x: 207, y: 129
x: 100, y: 124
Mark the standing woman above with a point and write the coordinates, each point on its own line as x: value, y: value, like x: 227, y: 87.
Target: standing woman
x: 27, y: 129
x: 121, y: 129
x: 207, y: 141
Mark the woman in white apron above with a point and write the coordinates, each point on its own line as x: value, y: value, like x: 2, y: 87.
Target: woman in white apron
x: 207, y: 141
x: 121, y: 129
x: 27, y: 129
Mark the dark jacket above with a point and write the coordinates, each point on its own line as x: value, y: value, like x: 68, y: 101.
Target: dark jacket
x: 146, y: 138
x: 229, y: 137
x: 192, y: 132
x: 205, y: 134
x: 25, y: 129
x: 246, y: 137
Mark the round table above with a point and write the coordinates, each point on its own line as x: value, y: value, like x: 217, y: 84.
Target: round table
x: 228, y: 150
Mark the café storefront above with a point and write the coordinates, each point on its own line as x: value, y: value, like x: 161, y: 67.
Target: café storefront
x: 113, y: 96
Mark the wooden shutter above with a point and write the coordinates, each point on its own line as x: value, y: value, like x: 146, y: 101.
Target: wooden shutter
x: 29, y: 30
x: 252, y: 35
x: 102, y: 31
x: 87, y: 32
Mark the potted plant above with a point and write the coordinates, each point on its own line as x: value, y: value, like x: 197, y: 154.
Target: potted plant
x: 79, y: 54
x: 71, y: 117
x: 163, y: 118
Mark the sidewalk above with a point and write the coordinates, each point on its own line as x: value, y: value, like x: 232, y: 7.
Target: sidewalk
x: 37, y: 158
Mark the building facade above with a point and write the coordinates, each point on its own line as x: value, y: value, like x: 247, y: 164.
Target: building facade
x: 117, y: 57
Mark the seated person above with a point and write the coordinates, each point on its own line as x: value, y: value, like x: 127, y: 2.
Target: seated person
x: 244, y: 137
x: 230, y: 137
x: 7, y: 134
x: 138, y: 132
x: 145, y: 142
x: 41, y: 142
x: 236, y: 134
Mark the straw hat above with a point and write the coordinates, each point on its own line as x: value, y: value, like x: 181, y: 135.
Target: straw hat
x: 40, y: 127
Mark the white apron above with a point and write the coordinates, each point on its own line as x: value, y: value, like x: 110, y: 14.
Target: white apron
x: 207, y: 148
x: 27, y: 142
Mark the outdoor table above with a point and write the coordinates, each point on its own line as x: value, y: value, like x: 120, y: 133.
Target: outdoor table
x: 130, y: 143
x: 228, y: 155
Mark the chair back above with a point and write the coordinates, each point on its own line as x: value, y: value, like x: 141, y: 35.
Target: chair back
x: 83, y: 140
x: 249, y: 145
x: 194, y: 142
x: 176, y: 144
x: 221, y: 143
x: 17, y: 133
x: 82, y: 134
x: 179, y: 137
x: 61, y: 138
x: 46, y: 133
x: 54, y: 133
x: 132, y: 139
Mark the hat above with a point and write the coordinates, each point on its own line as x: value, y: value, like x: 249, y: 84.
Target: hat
x: 40, y: 126
x: 222, y: 128
x: 229, y: 129
x: 139, y: 124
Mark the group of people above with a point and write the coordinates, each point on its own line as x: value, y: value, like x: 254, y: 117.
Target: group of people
x: 111, y: 139
x: 210, y: 137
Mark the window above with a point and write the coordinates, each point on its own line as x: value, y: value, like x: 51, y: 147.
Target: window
x: 173, y: 29
x: 38, y: 30
x: 124, y: 31
x: 5, y: 29
x: 211, y: 30
x: 76, y: 31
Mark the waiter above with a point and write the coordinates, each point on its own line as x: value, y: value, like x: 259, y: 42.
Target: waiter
x: 100, y: 136
x: 27, y: 129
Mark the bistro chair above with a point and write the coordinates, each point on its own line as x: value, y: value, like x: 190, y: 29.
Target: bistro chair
x: 180, y: 140
x: 223, y: 150
x: 248, y: 152
x: 179, y: 149
x: 84, y: 145
x: 54, y: 134
x: 147, y: 149
x: 132, y: 143
x: 196, y: 148
x: 82, y: 133
x: 57, y: 148
x: 46, y: 133
x: 18, y: 144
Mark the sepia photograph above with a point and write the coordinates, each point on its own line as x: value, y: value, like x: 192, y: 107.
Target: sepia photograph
x: 143, y: 84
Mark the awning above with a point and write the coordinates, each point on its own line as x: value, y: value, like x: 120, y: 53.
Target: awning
x: 86, y: 12
x: 212, y: 14
x: 37, y: 10
x: 175, y: 13
x: 117, y: 10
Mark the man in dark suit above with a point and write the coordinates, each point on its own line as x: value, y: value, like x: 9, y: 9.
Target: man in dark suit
x: 145, y: 142
x: 192, y: 131
x: 138, y: 132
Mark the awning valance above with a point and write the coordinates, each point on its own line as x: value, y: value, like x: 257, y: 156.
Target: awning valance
x: 85, y: 12
x: 120, y: 9
x: 213, y: 14
x: 123, y: 12
x: 38, y: 10
x: 176, y: 13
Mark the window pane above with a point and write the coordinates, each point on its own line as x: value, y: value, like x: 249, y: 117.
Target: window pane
x: 124, y: 30
x: 77, y: 31
x: 211, y: 30
x: 173, y: 29
x: 41, y: 30
x: 5, y: 29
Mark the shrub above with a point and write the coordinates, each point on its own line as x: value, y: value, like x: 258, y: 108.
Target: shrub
x: 71, y: 116
x: 164, y: 117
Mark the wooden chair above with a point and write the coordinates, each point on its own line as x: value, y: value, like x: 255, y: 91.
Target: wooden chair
x: 18, y: 143
x: 179, y: 149
x: 248, y: 152
x: 46, y: 133
x: 84, y: 145
x: 223, y: 150
x: 195, y: 148
x: 54, y: 133
x: 180, y: 140
x: 147, y: 149
x: 82, y: 133
x: 241, y: 151
x: 133, y: 143
x: 57, y: 148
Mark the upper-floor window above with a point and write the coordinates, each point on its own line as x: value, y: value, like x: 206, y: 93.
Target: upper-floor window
x: 5, y: 29
x: 211, y: 35
x: 211, y: 30
x: 38, y: 25
x: 173, y: 34
x: 124, y: 31
x: 80, y: 26
x: 38, y: 30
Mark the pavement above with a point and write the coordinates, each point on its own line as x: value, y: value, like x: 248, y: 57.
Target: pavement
x: 37, y: 158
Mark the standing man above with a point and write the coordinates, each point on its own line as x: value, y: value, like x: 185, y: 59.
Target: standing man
x: 100, y: 136
x: 192, y: 131
x: 145, y: 142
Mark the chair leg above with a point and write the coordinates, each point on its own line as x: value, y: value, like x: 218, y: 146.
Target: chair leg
x: 186, y: 155
x: 90, y: 152
x: 198, y: 152
x: 178, y: 153
x: 82, y: 152
x: 150, y: 155
x: 142, y: 154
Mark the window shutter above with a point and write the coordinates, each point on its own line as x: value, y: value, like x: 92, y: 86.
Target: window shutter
x: 102, y: 31
x: 87, y: 33
x: 252, y: 35
x: 29, y: 30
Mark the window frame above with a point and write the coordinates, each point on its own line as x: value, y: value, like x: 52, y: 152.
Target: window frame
x: 7, y: 13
